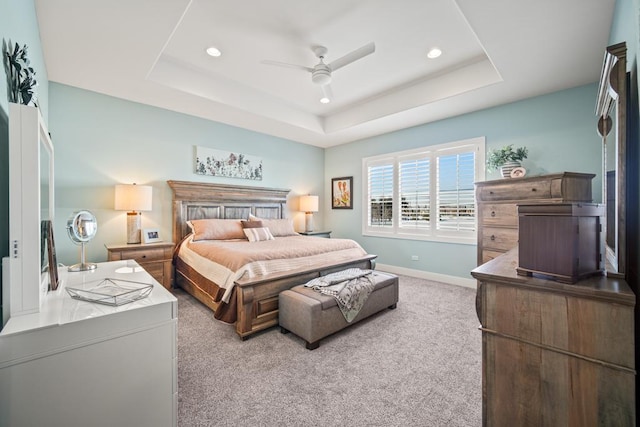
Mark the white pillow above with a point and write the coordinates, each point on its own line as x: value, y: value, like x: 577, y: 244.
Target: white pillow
x: 258, y: 234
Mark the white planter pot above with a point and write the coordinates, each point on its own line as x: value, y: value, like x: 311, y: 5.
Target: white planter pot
x: 507, y: 168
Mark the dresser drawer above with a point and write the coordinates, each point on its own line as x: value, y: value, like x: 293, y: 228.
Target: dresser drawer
x: 143, y: 255
x: 501, y: 239
x: 488, y: 255
x: 535, y: 189
x: 500, y: 214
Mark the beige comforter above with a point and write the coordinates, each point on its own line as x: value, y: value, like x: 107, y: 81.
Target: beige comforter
x: 226, y: 261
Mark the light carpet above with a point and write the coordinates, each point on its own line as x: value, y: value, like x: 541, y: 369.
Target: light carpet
x: 418, y: 365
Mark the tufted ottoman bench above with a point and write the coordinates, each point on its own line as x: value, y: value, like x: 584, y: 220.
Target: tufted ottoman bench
x: 313, y: 316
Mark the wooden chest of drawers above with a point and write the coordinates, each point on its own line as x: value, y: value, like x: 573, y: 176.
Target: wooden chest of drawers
x: 498, y: 212
x: 155, y: 258
x: 553, y: 353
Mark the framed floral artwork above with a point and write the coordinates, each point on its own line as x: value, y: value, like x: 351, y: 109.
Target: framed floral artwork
x: 227, y: 164
x: 342, y: 193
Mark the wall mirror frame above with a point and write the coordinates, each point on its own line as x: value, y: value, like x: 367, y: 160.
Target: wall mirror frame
x: 31, y: 200
x: 611, y: 109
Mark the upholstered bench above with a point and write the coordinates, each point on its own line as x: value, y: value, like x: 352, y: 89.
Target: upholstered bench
x: 313, y: 316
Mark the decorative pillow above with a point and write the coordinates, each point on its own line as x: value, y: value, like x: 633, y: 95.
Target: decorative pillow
x: 251, y: 224
x: 258, y: 234
x: 216, y: 229
x: 278, y: 227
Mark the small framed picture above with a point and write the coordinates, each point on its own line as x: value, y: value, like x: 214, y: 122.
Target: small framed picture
x: 151, y: 235
x: 342, y: 193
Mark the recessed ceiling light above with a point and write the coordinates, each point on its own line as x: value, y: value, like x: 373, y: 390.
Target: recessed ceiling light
x: 325, y: 100
x: 434, y: 53
x: 213, y: 51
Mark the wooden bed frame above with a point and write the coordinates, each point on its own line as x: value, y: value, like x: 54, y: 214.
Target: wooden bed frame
x: 257, y: 300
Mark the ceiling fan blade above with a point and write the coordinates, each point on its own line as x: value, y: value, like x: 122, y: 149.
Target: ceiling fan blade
x: 284, y: 64
x: 365, y: 50
x: 327, y: 92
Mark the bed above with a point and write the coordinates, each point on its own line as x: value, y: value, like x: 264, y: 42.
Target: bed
x: 246, y: 292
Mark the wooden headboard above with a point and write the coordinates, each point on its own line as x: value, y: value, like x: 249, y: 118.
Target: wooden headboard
x: 200, y: 200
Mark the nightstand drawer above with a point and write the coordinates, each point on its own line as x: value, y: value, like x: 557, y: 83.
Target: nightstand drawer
x: 501, y: 239
x: 156, y: 269
x: 143, y: 255
x: 500, y: 214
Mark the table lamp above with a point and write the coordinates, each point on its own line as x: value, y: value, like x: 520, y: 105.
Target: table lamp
x: 308, y: 204
x: 133, y: 198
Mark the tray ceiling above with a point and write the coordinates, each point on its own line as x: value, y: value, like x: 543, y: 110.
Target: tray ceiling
x: 153, y: 52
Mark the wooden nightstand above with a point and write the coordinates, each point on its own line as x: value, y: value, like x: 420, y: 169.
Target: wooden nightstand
x: 325, y: 234
x: 155, y: 258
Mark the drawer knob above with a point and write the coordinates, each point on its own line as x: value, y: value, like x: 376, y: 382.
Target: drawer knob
x: 493, y: 213
x: 533, y: 189
x: 144, y: 256
x: 490, y: 192
x: 493, y: 237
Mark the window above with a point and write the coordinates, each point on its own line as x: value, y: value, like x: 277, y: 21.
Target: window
x: 426, y: 193
x: 381, y: 195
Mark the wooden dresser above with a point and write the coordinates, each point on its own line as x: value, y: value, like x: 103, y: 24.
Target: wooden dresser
x: 552, y: 353
x: 155, y: 258
x: 498, y: 211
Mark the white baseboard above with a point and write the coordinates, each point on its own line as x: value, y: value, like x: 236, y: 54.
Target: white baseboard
x: 421, y: 274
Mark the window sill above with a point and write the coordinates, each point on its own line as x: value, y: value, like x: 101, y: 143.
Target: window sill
x: 426, y: 237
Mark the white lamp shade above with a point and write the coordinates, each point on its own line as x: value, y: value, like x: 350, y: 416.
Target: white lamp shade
x: 309, y: 203
x: 132, y: 197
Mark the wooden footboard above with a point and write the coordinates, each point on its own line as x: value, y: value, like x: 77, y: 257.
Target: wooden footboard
x: 258, y: 300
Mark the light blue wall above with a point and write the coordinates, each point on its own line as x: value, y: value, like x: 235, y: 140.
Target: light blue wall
x: 18, y: 22
x: 559, y: 130
x: 624, y: 27
x: 101, y: 141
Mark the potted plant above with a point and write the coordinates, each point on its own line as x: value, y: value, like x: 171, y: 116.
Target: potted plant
x: 21, y: 80
x: 506, y: 159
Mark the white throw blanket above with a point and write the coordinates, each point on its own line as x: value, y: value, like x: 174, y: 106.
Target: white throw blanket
x: 350, y: 288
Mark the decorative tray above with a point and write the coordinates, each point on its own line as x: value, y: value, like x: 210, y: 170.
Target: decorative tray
x: 112, y: 292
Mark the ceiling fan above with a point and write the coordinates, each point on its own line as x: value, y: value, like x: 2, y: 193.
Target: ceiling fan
x: 321, y: 72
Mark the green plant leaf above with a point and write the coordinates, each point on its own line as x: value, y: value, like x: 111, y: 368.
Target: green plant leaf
x: 499, y: 156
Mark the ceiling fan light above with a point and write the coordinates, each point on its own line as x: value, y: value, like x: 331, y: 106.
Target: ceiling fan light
x: 213, y: 51
x: 434, y: 53
x: 321, y: 77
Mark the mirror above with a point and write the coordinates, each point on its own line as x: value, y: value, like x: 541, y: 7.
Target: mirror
x: 611, y: 111
x: 82, y: 227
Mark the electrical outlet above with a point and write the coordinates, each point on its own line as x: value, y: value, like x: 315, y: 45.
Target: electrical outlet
x: 414, y: 258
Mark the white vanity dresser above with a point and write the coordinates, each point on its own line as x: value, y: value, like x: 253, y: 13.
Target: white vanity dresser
x: 79, y: 363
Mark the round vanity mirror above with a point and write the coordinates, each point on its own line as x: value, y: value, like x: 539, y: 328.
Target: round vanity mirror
x: 82, y: 227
